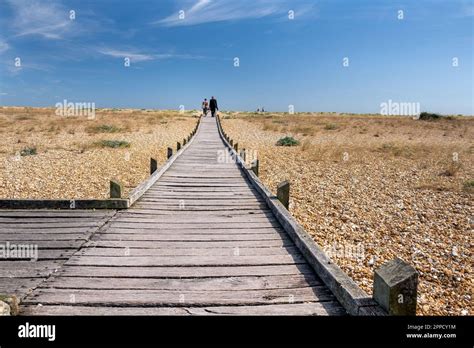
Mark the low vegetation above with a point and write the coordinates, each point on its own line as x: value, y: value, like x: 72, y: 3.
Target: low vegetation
x: 28, y: 151
x: 427, y: 116
x: 330, y: 126
x: 469, y: 185
x: 287, y: 141
x: 104, y: 128
x: 114, y: 143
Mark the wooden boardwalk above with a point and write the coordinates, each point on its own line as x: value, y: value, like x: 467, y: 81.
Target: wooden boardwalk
x: 201, y: 240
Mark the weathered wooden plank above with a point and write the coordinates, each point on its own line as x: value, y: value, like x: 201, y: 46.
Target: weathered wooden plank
x: 28, y: 231
x: 229, y: 251
x: 46, y: 214
x: 18, y: 286
x: 198, y: 196
x: 267, y: 226
x: 53, y: 244
x: 48, y: 220
x: 176, y: 208
x: 308, y: 309
x: 190, y: 219
x: 42, y: 236
x: 47, y: 254
x: 30, y: 269
x: 64, y: 204
x: 196, y: 231
x: 161, y: 261
x: 47, y: 225
x: 240, y: 189
x: 202, y: 202
x: 196, y: 284
x: 250, y: 212
x: 184, y: 272
x: 152, y: 298
x: 187, y: 244
x: 190, y: 237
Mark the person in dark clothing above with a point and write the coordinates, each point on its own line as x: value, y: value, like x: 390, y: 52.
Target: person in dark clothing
x: 213, y: 106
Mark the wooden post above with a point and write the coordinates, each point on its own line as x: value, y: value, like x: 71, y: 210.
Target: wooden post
x: 254, y: 167
x: 236, y: 147
x: 153, y: 165
x: 169, y: 153
x: 283, y: 193
x: 395, y: 287
x: 231, y: 142
x: 115, y: 189
x: 184, y: 141
x: 242, y: 154
x: 178, y: 146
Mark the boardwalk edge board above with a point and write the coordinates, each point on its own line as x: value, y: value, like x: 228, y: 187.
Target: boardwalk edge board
x: 113, y: 203
x: 355, y: 300
x: 71, y: 204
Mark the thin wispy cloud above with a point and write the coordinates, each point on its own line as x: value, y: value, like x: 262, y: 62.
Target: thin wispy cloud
x: 208, y: 11
x: 48, y: 19
x: 136, y: 56
x: 4, y: 46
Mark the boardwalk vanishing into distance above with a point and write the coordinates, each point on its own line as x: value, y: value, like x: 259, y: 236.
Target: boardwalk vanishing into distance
x: 201, y: 240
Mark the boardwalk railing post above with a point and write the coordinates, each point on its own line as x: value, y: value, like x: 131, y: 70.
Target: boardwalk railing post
x: 242, y: 154
x: 236, y: 147
x: 115, y: 189
x: 395, y: 287
x: 153, y: 165
x: 254, y: 167
x: 178, y: 146
x: 169, y: 153
x: 283, y: 193
x: 231, y: 142
x: 184, y: 141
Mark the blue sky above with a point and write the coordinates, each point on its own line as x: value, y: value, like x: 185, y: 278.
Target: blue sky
x: 178, y: 61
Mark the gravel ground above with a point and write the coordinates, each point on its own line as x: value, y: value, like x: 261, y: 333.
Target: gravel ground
x: 372, y: 188
x: 69, y: 162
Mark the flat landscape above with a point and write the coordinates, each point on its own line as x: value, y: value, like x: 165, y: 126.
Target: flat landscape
x: 367, y: 188
x: 370, y: 188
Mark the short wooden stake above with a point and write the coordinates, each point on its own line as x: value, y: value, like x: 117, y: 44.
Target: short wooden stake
x: 254, y: 167
x: 169, y: 153
x: 395, y: 287
x: 115, y: 189
x: 153, y: 165
x: 236, y: 147
x: 178, y: 146
x: 242, y: 154
x: 184, y: 141
x: 283, y: 193
x: 231, y: 142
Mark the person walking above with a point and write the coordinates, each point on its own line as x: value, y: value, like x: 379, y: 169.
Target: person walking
x: 213, y: 106
x: 205, y: 107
